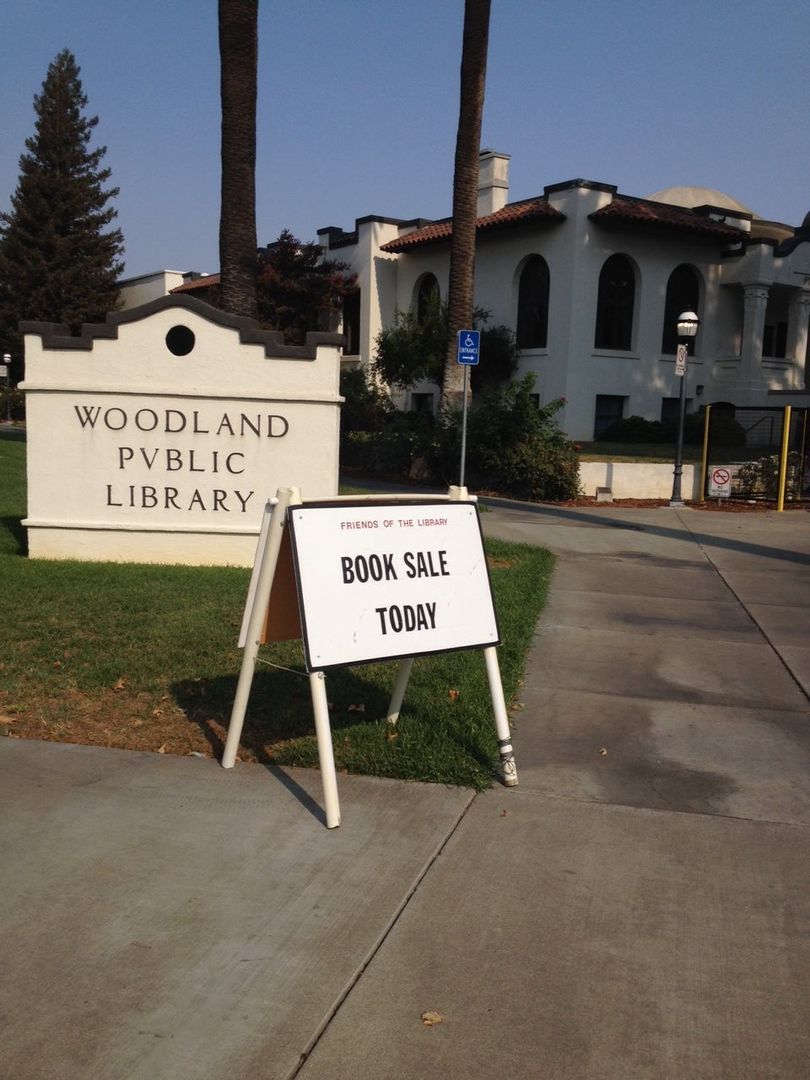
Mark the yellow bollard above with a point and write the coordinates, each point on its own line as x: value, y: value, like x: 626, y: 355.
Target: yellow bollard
x: 783, y: 460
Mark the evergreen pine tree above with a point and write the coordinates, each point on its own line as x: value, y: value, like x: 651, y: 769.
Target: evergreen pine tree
x: 57, y: 264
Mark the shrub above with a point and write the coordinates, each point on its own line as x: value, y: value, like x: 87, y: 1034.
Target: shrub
x: 17, y: 404
x: 366, y: 406
x: 375, y: 453
x: 761, y: 477
x: 414, y: 348
x: 514, y: 447
x: 499, y: 356
x: 635, y: 429
x: 725, y: 431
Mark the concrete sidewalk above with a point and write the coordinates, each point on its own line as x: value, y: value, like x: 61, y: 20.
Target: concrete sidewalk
x: 638, y: 908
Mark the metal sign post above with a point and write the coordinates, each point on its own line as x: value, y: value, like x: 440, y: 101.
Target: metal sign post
x: 468, y: 353
x: 5, y: 369
x: 680, y: 370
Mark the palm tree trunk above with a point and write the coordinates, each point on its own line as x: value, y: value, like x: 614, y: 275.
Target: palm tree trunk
x: 238, y: 52
x: 460, y: 299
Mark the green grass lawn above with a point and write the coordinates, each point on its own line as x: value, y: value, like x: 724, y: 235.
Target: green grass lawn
x: 648, y: 453
x: 642, y: 452
x: 145, y: 657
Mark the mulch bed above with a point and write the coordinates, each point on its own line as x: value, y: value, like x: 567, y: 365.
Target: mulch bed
x: 723, y: 506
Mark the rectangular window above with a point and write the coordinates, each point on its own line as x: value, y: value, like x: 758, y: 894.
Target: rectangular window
x: 669, y: 409
x: 774, y: 340
x: 422, y: 403
x: 609, y: 409
x: 351, y: 323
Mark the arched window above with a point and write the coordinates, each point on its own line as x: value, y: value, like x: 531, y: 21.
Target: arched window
x: 614, y: 307
x: 351, y: 323
x: 427, y: 296
x: 683, y: 294
x: 532, y: 312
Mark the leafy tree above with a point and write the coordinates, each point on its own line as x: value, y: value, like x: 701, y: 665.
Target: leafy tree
x: 465, y: 191
x: 299, y: 291
x: 57, y: 264
x: 238, y: 52
x: 412, y: 349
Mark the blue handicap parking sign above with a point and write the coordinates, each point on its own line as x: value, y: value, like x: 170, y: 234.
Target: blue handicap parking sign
x: 469, y: 345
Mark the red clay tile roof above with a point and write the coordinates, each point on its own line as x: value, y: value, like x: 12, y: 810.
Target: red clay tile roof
x: 513, y: 214
x: 197, y: 283
x: 627, y: 208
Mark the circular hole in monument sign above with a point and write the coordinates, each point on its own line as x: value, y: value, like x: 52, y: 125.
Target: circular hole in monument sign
x: 180, y: 340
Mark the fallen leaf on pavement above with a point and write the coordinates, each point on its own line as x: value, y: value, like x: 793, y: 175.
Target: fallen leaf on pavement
x: 431, y: 1019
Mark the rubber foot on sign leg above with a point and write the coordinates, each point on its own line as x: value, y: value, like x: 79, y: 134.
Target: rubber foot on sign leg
x: 508, y: 770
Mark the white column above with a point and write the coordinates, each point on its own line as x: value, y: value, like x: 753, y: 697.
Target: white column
x: 797, y: 336
x: 754, y: 306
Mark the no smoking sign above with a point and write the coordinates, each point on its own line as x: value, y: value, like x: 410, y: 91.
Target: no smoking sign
x: 719, y: 483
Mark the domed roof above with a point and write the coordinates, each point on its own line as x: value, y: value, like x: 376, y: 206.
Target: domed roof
x: 699, y: 196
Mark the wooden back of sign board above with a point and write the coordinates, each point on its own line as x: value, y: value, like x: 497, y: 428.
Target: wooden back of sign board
x: 282, y: 621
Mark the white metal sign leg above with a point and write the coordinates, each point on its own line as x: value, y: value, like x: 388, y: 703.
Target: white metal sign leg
x: 326, y: 755
x: 400, y: 686
x: 263, y: 586
x: 508, y: 769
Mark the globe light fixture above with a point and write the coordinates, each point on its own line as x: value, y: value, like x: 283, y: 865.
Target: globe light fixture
x: 688, y: 324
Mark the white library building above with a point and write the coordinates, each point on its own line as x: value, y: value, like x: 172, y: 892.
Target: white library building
x: 592, y: 282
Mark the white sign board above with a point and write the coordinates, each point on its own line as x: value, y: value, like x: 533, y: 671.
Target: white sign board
x: 719, y: 483
x: 382, y: 581
x: 469, y: 346
x: 681, y: 360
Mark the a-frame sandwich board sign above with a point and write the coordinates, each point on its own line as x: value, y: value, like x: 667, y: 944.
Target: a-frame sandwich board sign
x: 376, y: 578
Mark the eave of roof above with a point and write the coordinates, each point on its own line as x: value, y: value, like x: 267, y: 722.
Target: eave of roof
x: 197, y: 284
x: 534, y: 210
x: 629, y: 210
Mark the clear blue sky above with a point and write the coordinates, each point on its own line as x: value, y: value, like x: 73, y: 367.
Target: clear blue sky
x: 358, y: 105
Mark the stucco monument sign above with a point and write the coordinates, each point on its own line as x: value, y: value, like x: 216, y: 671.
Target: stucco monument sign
x: 158, y: 435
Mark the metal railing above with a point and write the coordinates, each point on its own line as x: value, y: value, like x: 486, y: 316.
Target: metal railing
x: 764, y: 451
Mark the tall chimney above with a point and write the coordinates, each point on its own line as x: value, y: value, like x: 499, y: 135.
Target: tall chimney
x: 493, y: 181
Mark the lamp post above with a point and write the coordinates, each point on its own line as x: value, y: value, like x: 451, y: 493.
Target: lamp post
x: 688, y: 324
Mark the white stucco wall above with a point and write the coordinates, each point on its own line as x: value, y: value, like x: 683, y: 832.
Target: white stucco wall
x: 142, y: 290
x: 637, y: 480
x: 575, y: 251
